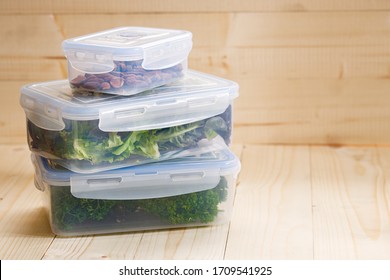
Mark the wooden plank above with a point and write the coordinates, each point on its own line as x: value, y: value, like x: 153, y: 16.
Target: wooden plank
x: 362, y: 132
x: 296, y: 62
x: 313, y: 45
x: 312, y: 111
x: 24, y: 229
x: 197, y: 243
x: 235, y: 63
x: 248, y: 30
x: 319, y: 29
x: 103, y: 247
x: 272, y: 216
x: 155, y: 6
x: 30, y: 35
x: 12, y: 117
x: 351, y: 218
x: 33, y: 69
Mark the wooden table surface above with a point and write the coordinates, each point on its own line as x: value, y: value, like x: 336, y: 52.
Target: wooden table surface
x: 292, y: 202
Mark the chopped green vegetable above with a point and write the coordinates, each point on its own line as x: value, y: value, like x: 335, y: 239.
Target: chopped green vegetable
x: 83, y: 140
x: 69, y: 212
x: 194, y: 207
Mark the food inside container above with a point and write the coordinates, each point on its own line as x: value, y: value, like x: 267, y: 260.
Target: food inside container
x: 127, y: 60
x: 95, y: 133
x: 185, y: 192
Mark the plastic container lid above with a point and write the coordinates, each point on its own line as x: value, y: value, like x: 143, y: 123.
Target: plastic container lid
x: 168, y: 178
x: 159, y: 48
x: 195, y: 97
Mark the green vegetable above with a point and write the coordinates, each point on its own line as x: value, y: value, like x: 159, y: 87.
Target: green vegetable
x: 194, y: 207
x: 83, y: 140
x: 69, y: 212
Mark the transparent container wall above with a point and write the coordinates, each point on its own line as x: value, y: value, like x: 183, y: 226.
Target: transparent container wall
x: 70, y: 216
x: 123, y: 78
x: 82, y: 147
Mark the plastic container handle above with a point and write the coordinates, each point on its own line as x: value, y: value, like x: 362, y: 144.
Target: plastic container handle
x: 90, y: 62
x: 168, y: 55
x: 158, y: 115
x: 143, y: 186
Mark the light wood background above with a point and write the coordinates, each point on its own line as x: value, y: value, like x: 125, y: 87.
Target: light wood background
x: 311, y: 125
x: 310, y: 71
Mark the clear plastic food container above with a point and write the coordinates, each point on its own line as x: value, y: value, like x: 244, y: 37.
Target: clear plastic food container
x: 94, y: 133
x: 127, y: 60
x: 186, y: 192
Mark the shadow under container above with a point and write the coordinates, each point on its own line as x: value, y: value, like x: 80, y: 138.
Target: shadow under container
x: 127, y: 60
x: 187, y: 192
x: 93, y: 133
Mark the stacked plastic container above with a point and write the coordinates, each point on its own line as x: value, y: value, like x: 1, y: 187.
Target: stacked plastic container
x: 133, y: 140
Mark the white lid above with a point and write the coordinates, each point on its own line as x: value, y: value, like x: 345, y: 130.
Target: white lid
x: 159, y: 48
x: 163, y: 179
x: 195, y: 97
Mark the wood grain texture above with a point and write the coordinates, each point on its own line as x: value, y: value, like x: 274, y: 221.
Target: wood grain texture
x: 12, y: 117
x: 351, y: 217
x: 310, y: 72
x: 318, y: 77
x: 104, y: 247
x: 288, y: 45
x: 30, y: 35
x: 32, y: 69
x: 206, y: 243
x: 24, y: 230
x: 353, y: 111
x: 155, y: 6
x: 292, y: 202
x: 272, y: 217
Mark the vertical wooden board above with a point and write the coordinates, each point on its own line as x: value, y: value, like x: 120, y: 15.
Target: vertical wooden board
x: 98, y: 247
x: 24, y: 229
x: 350, y: 204
x: 272, y: 214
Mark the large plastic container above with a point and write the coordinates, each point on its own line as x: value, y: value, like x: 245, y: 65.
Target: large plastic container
x: 193, y: 191
x: 127, y: 60
x: 94, y: 133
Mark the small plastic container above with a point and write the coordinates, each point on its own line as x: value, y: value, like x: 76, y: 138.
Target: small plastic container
x: 94, y: 133
x: 187, y: 192
x: 127, y: 60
